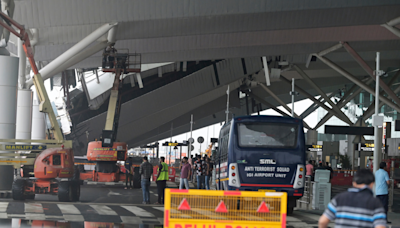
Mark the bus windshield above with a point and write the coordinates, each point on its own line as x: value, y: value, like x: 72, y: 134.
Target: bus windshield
x: 261, y: 134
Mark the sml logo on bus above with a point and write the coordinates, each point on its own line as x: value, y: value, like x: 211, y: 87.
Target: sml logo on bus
x: 267, y: 161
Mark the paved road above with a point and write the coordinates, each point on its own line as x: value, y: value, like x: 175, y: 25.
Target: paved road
x: 113, y: 204
x: 107, y: 194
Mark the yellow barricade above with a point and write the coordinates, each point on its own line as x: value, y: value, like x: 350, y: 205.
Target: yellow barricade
x: 224, y: 209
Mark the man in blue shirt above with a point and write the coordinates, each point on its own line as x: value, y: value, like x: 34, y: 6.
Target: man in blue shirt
x: 357, y: 207
x: 381, y: 186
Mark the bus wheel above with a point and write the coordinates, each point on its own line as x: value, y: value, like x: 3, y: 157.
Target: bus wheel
x: 291, y: 204
x: 290, y: 210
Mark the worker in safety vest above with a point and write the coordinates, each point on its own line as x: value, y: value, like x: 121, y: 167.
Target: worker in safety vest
x: 162, y: 177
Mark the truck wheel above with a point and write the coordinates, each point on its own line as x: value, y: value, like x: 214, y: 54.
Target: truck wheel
x: 30, y: 197
x: 65, y: 191
x: 18, y: 189
x: 77, y: 173
x: 76, y: 191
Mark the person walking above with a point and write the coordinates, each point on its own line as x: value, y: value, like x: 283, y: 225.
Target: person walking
x: 330, y: 169
x: 309, y: 168
x: 200, y: 172
x: 186, y: 171
x: 381, y: 186
x: 128, y: 173
x: 357, y: 207
x: 190, y: 161
x: 209, y: 168
x: 194, y: 168
x: 146, y: 170
x: 162, y: 177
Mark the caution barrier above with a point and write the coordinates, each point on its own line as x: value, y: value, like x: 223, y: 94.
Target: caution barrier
x: 224, y: 209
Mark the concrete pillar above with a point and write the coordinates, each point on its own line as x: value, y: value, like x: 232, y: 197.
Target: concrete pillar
x: 8, y: 104
x: 351, y: 151
x: 38, y: 121
x: 312, y: 137
x: 24, y: 114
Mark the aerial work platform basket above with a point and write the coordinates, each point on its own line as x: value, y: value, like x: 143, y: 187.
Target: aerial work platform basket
x: 121, y: 59
x: 227, y: 209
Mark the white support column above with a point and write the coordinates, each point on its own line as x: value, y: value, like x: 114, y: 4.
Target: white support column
x: 24, y: 114
x: 22, y: 65
x: 38, y: 121
x: 8, y: 102
x: 139, y: 80
x: 266, y: 71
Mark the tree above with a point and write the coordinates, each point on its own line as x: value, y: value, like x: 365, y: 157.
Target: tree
x: 345, y: 160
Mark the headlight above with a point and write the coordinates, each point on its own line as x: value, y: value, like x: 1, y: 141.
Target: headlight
x: 233, y: 181
x: 299, y: 183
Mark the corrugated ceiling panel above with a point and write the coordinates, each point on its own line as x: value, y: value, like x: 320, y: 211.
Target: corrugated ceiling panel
x: 253, y: 64
x: 154, y: 119
x: 95, y: 11
x: 195, y: 83
x: 169, y: 95
x: 229, y: 70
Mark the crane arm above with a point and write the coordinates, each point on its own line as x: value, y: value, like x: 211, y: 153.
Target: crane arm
x: 45, y: 105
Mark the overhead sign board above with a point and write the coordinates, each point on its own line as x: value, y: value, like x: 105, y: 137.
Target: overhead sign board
x: 365, y: 147
x: 173, y: 144
x: 314, y: 148
x: 347, y: 130
x: 14, y: 147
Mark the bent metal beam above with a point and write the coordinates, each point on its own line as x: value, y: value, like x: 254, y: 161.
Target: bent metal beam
x: 280, y: 102
x: 261, y: 100
x: 356, y: 81
x: 70, y: 54
x: 369, y: 70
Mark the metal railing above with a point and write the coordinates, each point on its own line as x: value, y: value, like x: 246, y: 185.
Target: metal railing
x: 308, y: 194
